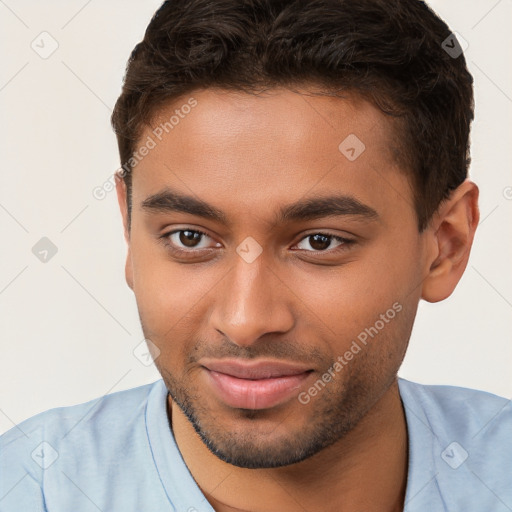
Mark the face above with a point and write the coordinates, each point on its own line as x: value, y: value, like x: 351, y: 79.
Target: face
x: 275, y: 261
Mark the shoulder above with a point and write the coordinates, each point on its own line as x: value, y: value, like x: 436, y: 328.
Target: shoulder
x: 71, y: 438
x: 110, y: 409
x: 463, y: 438
x: 456, y: 409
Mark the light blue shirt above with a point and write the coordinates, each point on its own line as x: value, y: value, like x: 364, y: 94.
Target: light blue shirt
x: 118, y: 454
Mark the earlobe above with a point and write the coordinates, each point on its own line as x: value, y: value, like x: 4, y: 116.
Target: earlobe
x: 451, y: 234
x: 128, y: 270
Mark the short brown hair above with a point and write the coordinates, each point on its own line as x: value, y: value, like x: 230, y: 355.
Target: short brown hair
x: 392, y: 52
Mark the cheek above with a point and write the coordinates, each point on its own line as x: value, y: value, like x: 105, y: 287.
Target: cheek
x: 373, y: 351
x: 347, y: 300
x: 391, y: 269
x: 163, y: 291
x: 172, y: 299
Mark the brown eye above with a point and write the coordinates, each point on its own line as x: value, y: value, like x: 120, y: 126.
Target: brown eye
x: 321, y: 242
x: 189, y: 238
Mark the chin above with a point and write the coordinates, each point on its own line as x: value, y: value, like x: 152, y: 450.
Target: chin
x: 258, y: 439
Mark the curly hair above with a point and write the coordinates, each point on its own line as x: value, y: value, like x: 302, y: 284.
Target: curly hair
x: 391, y: 52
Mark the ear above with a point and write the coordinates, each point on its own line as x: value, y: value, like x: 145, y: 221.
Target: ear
x: 123, y: 206
x: 450, y: 237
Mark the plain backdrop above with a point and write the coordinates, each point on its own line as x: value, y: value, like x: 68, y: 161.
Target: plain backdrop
x: 69, y: 325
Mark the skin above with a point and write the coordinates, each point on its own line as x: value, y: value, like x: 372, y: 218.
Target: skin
x: 298, y: 301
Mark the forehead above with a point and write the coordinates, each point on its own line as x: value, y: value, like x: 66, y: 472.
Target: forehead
x: 248, y: 152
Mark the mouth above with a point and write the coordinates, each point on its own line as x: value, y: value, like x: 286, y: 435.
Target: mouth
x: 255, y: 385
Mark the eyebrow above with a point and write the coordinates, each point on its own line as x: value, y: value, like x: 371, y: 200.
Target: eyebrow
x: 311, y: 208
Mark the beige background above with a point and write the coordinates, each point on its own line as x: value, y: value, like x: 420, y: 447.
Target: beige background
x: 69, y: 326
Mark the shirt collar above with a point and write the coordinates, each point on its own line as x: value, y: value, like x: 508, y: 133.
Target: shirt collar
x: 422, y: 491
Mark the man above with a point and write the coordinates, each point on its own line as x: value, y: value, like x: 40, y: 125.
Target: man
x: 293, y: 183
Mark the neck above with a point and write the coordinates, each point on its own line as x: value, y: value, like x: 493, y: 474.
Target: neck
x: 365, y: 470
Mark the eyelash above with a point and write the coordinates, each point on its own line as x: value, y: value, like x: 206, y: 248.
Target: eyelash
x: 345, y: 242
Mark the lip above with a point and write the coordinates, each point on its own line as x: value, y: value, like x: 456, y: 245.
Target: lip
x: 254, y: 385
x: 254, y: 369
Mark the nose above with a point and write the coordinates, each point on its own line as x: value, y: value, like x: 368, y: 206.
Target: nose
x: 251, y: 301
